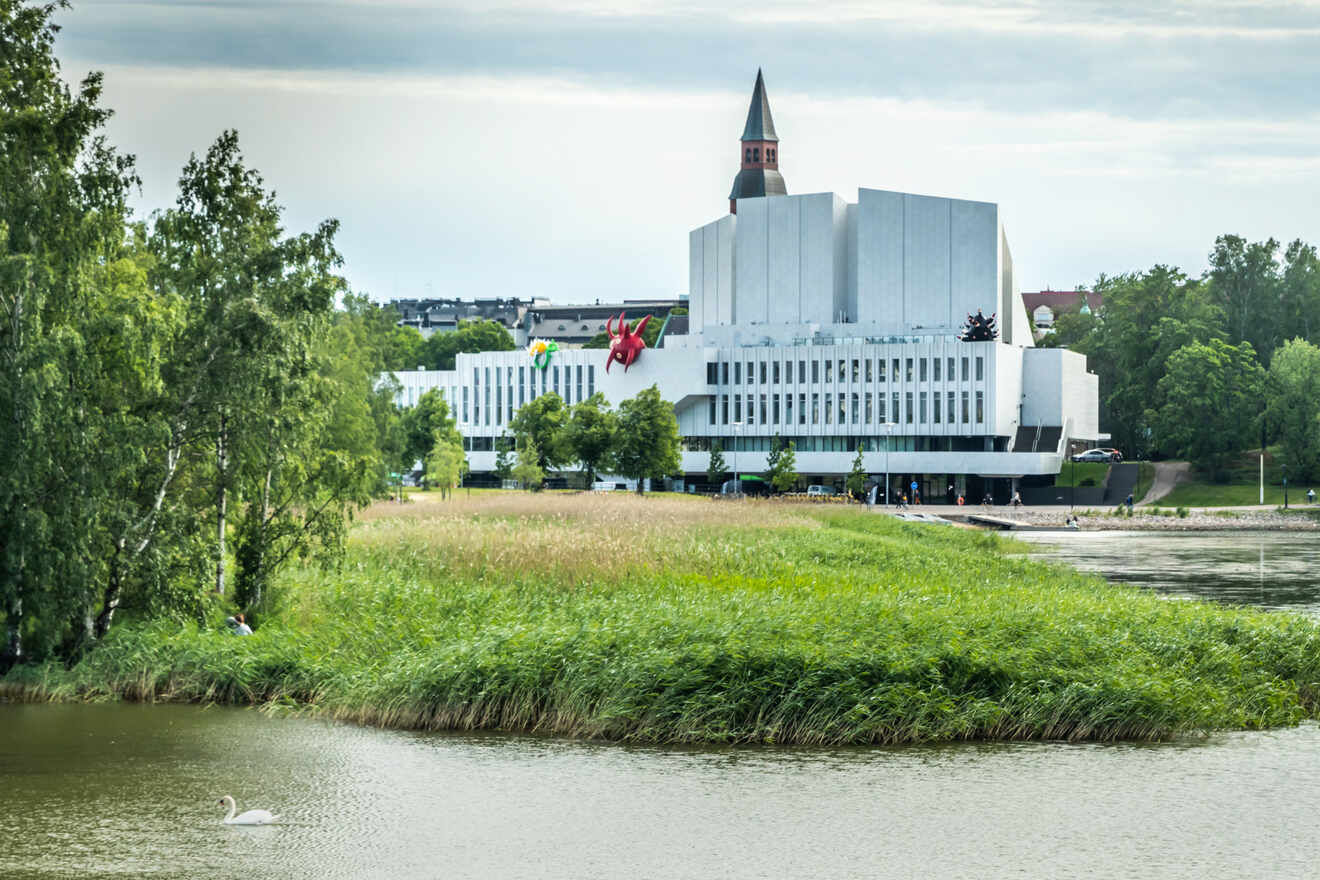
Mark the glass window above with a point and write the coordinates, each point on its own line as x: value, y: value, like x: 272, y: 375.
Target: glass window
x: 964, y: 369
x: 965, y: 401
x: 829, y: 409
x: 486, y: 403
x: 980, y: 368
x: 907, y: 373
x: 856, y: 370
x: 936, y: 402
x: 843, y: 371
x: 577, y: 371
x: 737, y: 372
x: 880, y: 408
x: 921, y: 402
x: 762, y: 372
x: 764, y: 410
x: 949, y: 411
x: 750, y: 374
x: 591, y: 379
x: 870, y: 364
x: 724, y: 372
x: 712, y: 373
x: 950, y: 376
x: 980, y: 407
x: 935, y: 363
x: 907, y: 411
x: 894, y: 369
x: 711, y: 418
x: 776, y: 374
x: 737, y: 407
x: 870, y: 406
x: 815, y: 373
x: 556, y: 369
x: 788, y: 409
x: 880, y: 370
x: 815, y: 409
x: 724, y: 409
x: 751, y: 409
x: 802, y: 372
x: 802, y: 409
x: 499, y: 404
x: 856, y: 409
x: 774, y: 419
x: 465, y: 403
x: 894, y: 415
x: 924, y: 362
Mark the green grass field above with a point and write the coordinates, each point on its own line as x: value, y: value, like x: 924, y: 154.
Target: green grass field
x: 696, y: 620
x: 1082, y: 473
x: 1242, y: 487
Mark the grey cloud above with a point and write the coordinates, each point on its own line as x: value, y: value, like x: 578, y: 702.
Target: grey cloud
x: 1225, y: 60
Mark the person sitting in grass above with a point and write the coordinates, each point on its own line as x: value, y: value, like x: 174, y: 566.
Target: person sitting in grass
x: 238, y: 626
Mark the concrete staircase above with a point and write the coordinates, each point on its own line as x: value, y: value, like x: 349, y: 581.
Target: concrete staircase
x: 1122, y: 482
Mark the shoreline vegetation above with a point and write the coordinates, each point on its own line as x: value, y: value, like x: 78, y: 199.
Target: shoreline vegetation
x: 683, y: 620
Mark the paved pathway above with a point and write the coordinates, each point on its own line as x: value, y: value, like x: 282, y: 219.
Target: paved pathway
x: 1167, y: 475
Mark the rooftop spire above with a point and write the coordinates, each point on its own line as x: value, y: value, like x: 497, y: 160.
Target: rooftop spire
x: 760, y: 124
x: 759, y: 172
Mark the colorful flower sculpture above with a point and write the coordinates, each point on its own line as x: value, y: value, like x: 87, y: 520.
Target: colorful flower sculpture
x: 627, y: 344
x: 540, y: 352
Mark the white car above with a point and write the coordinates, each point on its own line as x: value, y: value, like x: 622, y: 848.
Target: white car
x: 1092, y: 455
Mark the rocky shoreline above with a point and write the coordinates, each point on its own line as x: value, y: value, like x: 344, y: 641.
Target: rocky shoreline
x: 1144, y: 520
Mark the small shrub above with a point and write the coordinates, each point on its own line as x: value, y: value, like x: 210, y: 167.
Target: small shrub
x: 1182, y: 513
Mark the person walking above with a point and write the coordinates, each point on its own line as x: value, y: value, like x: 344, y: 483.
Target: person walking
x: 1017, y: 498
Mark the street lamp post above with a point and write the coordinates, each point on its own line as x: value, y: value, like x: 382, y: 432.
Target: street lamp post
x: 889, y: 427
x: 1285, y: 487
x: 737, y: 486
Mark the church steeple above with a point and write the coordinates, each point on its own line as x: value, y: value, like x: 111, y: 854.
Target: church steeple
x: 759, y: 175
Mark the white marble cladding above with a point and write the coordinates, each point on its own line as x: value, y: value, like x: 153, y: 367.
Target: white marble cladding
x: 899, y: 262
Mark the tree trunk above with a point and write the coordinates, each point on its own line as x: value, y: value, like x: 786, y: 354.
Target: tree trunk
x: 222, y: 474
x: 13, y: 649
x: 111, y: 599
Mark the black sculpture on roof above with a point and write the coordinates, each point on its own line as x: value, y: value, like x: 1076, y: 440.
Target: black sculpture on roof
x: 979, y: 328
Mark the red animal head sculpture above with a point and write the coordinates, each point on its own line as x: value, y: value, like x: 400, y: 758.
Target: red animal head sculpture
x: 626, y: 344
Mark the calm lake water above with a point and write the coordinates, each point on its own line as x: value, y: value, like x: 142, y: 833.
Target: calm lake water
x: 130, y: 791
x: 1277, y: 570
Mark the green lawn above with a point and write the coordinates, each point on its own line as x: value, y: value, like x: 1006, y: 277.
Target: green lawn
x: 1145, y: 477
x: 1242, y: 487
x: 1081, y: 472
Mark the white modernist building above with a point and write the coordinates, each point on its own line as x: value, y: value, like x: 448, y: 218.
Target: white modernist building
x: 835, y: 325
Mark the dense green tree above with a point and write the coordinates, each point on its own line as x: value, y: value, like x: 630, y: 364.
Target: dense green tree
x: 783, y: 473
x: 439, y: 350
x: 503, y: 464
x: 446, y: 465
x: 1210, y: 402
x: 648, y: 444
x: 1293, y: 411
x: 542, y: 419
x: 1244, y: 282
x: 422, y: 421
x: 716, y: 469
x: 62, y: 214
x: 857, y: 476
x: 528, y: 471
x: 589, y: 433
x: 1146, y: 316
x: 1300, y: 292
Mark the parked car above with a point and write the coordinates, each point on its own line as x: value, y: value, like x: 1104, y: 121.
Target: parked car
x: 820, y: 490
x: 1114, y: 455
x: 1092, y: 455
x: 745, y: 486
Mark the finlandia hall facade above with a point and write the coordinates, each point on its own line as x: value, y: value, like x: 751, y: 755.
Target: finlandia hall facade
x: 833, y: 324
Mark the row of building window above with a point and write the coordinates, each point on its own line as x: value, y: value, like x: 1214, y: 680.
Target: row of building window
x: 857, y: 408
x: 896, y: 443
x: 488, y: 400
x: 753, y: 154
x: 856, y: 370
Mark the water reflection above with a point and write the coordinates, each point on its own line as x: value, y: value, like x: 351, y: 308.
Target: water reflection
x: 115, y: 790
x: 1278, y: 570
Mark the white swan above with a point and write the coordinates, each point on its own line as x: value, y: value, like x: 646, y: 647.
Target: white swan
x: 251, y: 817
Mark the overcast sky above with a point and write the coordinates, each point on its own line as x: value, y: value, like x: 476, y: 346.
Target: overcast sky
x: 565, y: 148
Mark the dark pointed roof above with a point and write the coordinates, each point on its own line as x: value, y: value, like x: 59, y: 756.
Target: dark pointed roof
x: 760, y: 124
x: 752, y: 183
